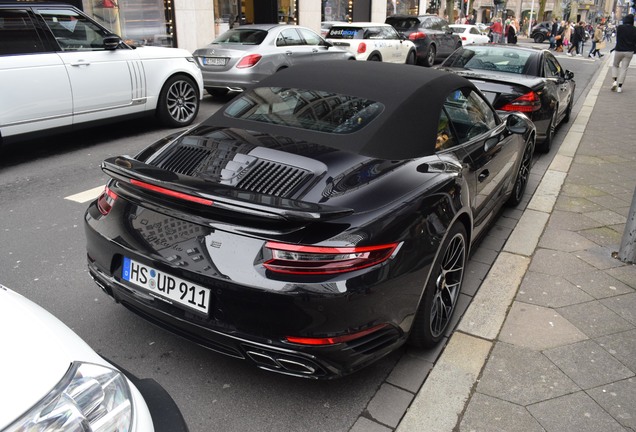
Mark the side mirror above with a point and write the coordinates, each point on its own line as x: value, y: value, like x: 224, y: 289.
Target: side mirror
x: 569, y: 75
x: 111, y: 42
x: 516, y: 124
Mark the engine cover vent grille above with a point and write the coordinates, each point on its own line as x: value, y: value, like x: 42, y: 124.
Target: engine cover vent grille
x: 272, y: 178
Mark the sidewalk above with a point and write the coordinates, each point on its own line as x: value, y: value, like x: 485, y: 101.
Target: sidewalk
x: 549, y: 341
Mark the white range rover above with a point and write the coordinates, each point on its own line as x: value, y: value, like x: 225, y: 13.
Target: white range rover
x: 373, y: 42
x: 60, y: 70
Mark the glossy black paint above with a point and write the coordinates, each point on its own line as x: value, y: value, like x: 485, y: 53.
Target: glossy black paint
x: 349, y: 199
x: 556, y: 92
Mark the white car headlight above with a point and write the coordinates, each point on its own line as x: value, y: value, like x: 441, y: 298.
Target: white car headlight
x: 89, y: 398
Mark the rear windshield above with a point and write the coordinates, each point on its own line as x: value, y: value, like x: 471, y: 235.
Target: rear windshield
x: 495, y: 58
x: 242, y: 36
x: 406, y: 23
x: 345, y: 33
x: 305, y: 109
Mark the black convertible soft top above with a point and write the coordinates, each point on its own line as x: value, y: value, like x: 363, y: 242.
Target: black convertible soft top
x: 412, y: 97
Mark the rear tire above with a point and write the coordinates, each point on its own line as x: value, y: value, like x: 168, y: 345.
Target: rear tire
x: 539, y: 38
x: 374, y: 58
x: 546, y: 145
x: 523, y: 174
x: 442, y: 289
x: 429, y: 59
x: 410, y: 58
x: 178, y: 103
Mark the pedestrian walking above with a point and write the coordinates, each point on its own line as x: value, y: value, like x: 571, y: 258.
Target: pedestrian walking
x: 497, y: 30
x: 597, y: 42
x: 554, y: 31
x: 511, y: 34
x: 577, y: 38
x: 567, y: 32
x: 623, y: 51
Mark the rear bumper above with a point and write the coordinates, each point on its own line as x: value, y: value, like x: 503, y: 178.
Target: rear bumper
x: 322, y: 362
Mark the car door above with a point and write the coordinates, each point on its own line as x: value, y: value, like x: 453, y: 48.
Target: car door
x: 446, y: 38
x: 292, y: 45
x: 555, y: 74
x: 105, y: 83
x: 490, y: 150
x: 317, y: 46
x: 399, y: 48
x: 35, y: 92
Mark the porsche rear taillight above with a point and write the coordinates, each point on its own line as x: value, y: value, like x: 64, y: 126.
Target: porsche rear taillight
x: 249, y: 61
x: 106, y: 200
x: 528, y: 102
x: 362, y: 48
x: 417, y: 35
x: 319, y: 260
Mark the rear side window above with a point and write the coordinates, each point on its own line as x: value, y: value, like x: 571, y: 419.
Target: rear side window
x: 345, y: 33
x: 402, y: 24
x: 242, y: 36
x: 18, y: 34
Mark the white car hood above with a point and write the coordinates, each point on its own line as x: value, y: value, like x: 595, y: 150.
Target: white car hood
x: 37, y: 350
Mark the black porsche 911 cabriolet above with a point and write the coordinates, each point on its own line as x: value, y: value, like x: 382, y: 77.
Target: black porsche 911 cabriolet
x: 315, y: 223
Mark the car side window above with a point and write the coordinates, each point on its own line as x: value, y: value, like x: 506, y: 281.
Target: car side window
x: 289, y: 37
x: 469, y: 114
x: 390, y: 33
x: 445, y: 137
x: 310, y: 37
x: 73, y: 31
x: 18, y: 34
x: 551, y: 68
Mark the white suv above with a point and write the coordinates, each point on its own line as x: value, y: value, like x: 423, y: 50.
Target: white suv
x: 59, y: 70
x: 372, y: 41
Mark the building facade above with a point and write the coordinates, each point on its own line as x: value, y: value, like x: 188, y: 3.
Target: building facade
x: 191, y: 24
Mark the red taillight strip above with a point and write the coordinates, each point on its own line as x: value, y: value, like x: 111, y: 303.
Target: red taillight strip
x: 525, y: 103
x: 106, y: 200
x: 334, y: 340
x: 322, y: 260
x: 171, y: 192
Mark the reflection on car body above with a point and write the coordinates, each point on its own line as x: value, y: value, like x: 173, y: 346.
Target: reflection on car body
x: 323, y: 248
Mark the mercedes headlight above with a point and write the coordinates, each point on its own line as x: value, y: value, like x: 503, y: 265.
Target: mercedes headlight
x: 90, y: 398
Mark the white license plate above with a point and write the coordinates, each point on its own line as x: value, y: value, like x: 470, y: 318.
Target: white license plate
x: 214, y: 61
x: 171, y: 288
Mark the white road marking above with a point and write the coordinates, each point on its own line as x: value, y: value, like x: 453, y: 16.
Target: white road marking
x: 86, y: 196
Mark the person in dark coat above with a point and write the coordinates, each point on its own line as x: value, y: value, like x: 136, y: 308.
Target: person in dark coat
x: 578, y: 35
x: 554, y: 31
x: 623, y: 52
x: 511, y: 36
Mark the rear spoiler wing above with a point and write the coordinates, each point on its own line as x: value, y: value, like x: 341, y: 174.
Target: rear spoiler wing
x: 200, y: 192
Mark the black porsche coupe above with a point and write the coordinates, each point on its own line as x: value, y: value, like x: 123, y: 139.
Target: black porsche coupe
x: 515, y: 78
x: 316, y: 222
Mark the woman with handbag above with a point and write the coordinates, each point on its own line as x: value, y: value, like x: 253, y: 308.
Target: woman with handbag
x: 597, y: 42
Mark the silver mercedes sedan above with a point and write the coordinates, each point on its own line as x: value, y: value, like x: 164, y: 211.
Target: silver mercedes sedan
x: 244, y: 55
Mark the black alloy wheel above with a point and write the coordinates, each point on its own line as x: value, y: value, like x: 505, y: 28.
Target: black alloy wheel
x: 442, y: 290
x: 539, y: 38
x: 429, y: 60
x: 523, y: 174
x: 178, y: 102
x: 546, y: 145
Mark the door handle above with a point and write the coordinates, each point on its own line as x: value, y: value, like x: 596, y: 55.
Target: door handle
x: 81, y: 63
x: 483, y: 175
x: 288, y: 53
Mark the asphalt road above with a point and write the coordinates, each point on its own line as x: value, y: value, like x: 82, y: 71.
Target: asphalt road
x: 43, y: 257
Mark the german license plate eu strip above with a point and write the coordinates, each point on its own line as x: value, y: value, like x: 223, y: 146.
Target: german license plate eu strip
x: 167, y: 286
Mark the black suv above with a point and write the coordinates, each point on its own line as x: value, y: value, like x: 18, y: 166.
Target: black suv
x: 541, y: 31
x: 432, y: 36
